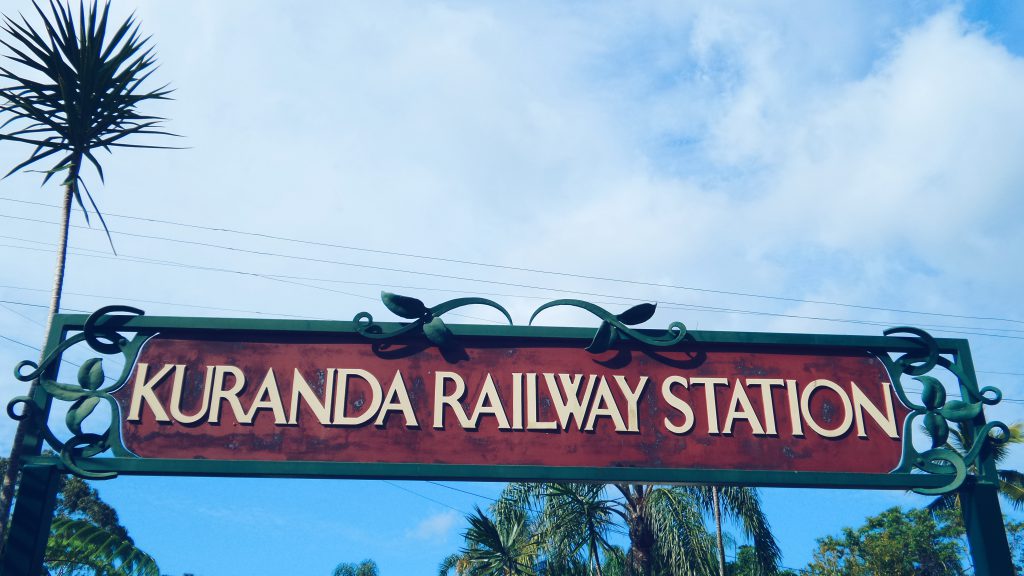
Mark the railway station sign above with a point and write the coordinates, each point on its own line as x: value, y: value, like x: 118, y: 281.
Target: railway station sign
x: 422, y: 399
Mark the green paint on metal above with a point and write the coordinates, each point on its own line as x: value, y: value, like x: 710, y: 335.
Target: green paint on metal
x: 937, y: 412
x: 983, y: 521
x: 905, y: 352
x: 499, y: 473
x: 30, y: 524
x: 614, y: 326
x: 100, y: 332
x: 426, y: 320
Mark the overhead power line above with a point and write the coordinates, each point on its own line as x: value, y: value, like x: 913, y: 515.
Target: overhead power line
x: 478, y: 263
x: 288, y: 279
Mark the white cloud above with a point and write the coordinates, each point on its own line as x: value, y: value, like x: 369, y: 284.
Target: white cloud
x: 437, y: 527
x: 847, y: 151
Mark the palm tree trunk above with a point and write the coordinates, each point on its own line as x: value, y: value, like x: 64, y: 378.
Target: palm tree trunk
x: 594, y: 555
x: 17, y: 446
x: 641, y: 538
x: 718, y: 530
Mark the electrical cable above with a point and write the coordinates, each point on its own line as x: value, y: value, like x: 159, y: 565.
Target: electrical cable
x: 665, y: 305
x: 484, y: 264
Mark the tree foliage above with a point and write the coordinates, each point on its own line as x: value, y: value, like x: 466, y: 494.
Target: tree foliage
x: 566, y: 530
x: 746, y: 564
x: 87, y: 537
x: 70, y: 86
x: 1011, y: 482
x: 80, y: 548
x: 77, y: 89
x: 895, y: 543
x: 365, y: 568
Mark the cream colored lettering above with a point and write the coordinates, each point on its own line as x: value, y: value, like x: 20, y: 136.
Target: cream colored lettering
x: 451, y: 400
x: 176, y: 393
x: 517, y: 401
x: 567, y: 403
x: 709, y: 398
x: 741, y: 408
x: 677, y: 403
x: 231, y: 394
x: 143, y: 392
x: 267, y: 397
x: 794, y: 408
x: 632, y: 396
x: 341, y: 398
x: 604, y: 405
x: 489, y: 403
x: 767, y: 401
x: 532, y: 422
x: 805, y: 406
x: 887, y: 421
x: 301, y: 388
x: 397, y: 399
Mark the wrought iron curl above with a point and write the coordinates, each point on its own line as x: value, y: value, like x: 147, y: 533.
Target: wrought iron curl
x: 616, y: 326
x: 100, y: 333
x: 426, y: 320
x: 936, y: 412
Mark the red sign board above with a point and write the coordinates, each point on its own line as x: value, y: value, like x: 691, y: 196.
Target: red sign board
x: 509, y: 403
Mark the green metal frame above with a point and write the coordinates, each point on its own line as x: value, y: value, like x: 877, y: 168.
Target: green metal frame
x: 123, y: 331
x: 120, y: 330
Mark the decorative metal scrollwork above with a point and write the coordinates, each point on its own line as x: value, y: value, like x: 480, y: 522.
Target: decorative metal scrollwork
x: 616, y: 326
x: 427, y: 320
x: 100, y: 332
x: 937, y: 412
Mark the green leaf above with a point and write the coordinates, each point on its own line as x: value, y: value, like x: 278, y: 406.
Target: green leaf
x: 937, y: 428
x: 637, y: 314
x: 79, y: 411
x: 960, y: 411
x: 934, y: 394
x: 90, y: 375
x: 438, y: 333
x: 65, y: 392
x: 403, y: 306
x: 603, y: 339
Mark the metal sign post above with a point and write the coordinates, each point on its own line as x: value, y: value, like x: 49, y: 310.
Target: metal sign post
x: 360, y: 399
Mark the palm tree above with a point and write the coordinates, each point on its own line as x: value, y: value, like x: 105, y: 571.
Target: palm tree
x: 75, y: 87
x: 665, y: 524
x: 504, y: 546
x: 365, y: 568
x: 78, y: 547
x: 1011, y: 482
x: 570, y: 547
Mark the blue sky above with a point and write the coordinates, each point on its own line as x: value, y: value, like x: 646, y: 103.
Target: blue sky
x: 861, y: 153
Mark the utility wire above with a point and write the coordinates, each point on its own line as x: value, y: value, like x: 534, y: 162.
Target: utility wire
x: 413, y: 492
x: 665, y: 305
x: 216, y: 308
x: 481, y: 264
x: 461, y: 490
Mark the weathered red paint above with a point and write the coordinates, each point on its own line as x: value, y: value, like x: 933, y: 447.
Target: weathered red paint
x: 652, y: 447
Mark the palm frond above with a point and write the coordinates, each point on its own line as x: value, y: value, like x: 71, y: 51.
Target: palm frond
x: 81, y: 543
x: 682, y: 544
x: 73, y: 88
x: 499, y: 549
x: 744, y: 505
x: 1011, y: 486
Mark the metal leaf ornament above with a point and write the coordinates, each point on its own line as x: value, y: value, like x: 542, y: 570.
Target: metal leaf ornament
x: 615, y: 327
x: 936, y: 411
x: 74, y: 87
x: 427, y: 320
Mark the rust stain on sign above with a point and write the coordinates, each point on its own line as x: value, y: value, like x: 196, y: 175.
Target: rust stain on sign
x: 549, y: 405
